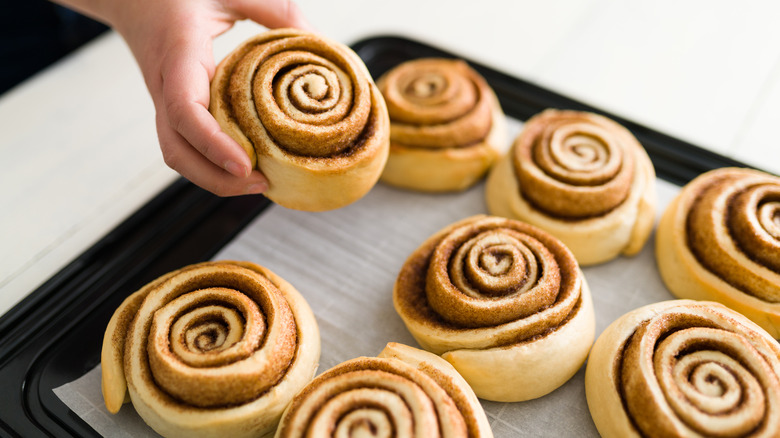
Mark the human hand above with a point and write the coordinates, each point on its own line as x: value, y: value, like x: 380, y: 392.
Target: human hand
x: 172, y: 43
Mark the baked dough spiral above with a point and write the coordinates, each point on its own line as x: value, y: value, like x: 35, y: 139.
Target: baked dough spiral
x: 581, y: 177
x: 446, y: 125
x: 503, y: 301
x: 404, y: 392
x: 684, y: 368
x: 307, y: 112
x: 719, y: 240
x: 212, y: 349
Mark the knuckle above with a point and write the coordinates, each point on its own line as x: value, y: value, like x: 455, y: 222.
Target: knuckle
x: 176, y: 112
x: 205, y: 149
x: 170, y: 158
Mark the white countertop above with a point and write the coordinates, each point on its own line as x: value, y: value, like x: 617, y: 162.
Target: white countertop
x: 80, y: 151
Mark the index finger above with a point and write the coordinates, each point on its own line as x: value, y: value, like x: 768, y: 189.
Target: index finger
x: 186, y: 75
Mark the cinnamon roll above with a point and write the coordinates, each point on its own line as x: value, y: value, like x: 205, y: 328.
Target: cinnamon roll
x: 307, y: 112
x: 446, y: 125
x: 719, y: 240
x: 212, y: 349
x: 402, y: 392
x: 504, y: 302
x: 581, y: 177
x: 684, y: 368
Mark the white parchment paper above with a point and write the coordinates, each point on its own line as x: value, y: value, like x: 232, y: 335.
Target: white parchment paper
x: 345, y: 262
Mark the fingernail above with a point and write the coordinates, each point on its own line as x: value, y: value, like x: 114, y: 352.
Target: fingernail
x: 257, y: 188
x: 236, y: 169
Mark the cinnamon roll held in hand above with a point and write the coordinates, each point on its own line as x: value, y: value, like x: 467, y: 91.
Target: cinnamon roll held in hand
x: 581, y: 177
x: 719, y: 240
x: 404, y: 392
x: 307, y: 112
x: 503, y: 301
x: 446, y: 125
x: 213, y: 349
x: 682, y: 369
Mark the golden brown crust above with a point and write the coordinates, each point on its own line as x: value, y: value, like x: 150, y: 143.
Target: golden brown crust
x: 402, y: 392
x: 504, y: 302
x: 211, y: 349
x: 447, y: 127
x: 307, y: 112
x: 684, y: 368
x: 581, y: 177
x: 719, y: 240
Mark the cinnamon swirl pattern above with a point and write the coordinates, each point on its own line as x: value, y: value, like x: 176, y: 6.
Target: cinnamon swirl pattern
x: 581, y: 177
x: 684, y: 368
x: 404, y: 392
x: 719, y: 240
x: 307, y: 112
x: 504, y: 302
x: 447, y: 127
x: 212, y: 349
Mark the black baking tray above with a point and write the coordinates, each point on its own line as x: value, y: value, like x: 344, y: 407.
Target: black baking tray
x: 54, y: 335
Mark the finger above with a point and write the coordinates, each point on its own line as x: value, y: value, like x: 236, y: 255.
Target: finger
x: 185, y: 75
x: 191, y: 164
x: 273, y: 13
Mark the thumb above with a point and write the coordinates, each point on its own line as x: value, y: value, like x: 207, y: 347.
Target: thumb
x: 272, y: 13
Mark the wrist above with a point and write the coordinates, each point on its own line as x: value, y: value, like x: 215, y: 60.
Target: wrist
x: 103, y: 11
